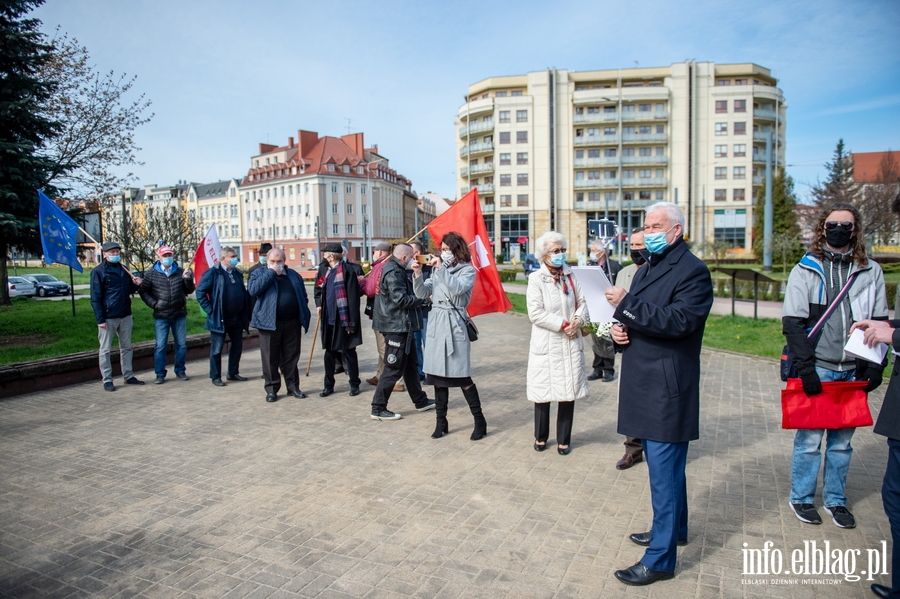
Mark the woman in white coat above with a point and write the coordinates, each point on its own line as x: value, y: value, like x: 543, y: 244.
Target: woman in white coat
x: 556, y: 367
x: 447, y: 347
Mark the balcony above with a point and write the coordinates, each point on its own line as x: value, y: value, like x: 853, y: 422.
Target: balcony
x: 761, y: 136
x: 657, y: 115
x: 479, y: 127
x: 482, y: 189
x: 626, y: 161
x: 600, y: 117
x: 597, y: 140
x: 759, y: 180
x: 597, y: 184
x: 645, y: 182
x: 760, y: 157
x: 764, y: 113
x: 475, y: 108
x: 478, y: 169
x: 473, y: 149
x: 599, y: 205
x: 487, y: 208
x: 644, y: 137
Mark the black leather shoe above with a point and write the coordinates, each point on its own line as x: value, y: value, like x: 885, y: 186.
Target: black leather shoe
x: 271, y: 397
x: 219, y: 382
x: 539, y: 447
x: 297, y: 393
x: 326, y: 392
x: 609, y: 377
x: 643, y: 539
x: 354, y: 391
x: 183, y: 376
x: 238, y: 378
x: 133, y: 381
x: 881, y: 591
x: 564, y: 451
x: 595, y: 375
x: 639, y: 575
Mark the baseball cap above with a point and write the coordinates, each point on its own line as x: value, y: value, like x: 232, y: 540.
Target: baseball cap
x: 164, y: 249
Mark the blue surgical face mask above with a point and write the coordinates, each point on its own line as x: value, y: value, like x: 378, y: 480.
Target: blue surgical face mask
x: 262, y: 260
x: 557, y: 260
x: 114, y: 259
x: 168, y: 261
x: 233, y: 262
x: 657, y: 242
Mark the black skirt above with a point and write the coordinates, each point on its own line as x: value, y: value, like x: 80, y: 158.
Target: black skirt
x: 444, y: 381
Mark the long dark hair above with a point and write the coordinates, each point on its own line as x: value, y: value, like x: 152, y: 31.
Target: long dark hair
x: 857, y: 242
x: 458, y: 247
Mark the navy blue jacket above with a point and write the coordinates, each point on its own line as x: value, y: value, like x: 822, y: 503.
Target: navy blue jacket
x: 111, y: 289
x: 262, y: 286
x: 210, y: 292
x: 888, y: 423
x: 665, y: 311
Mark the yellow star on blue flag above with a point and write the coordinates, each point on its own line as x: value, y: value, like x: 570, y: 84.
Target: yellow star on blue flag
x: 58, y: 233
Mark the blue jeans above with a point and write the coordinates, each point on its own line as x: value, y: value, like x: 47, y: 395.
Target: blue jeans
x: 806, y: 459
x: 179, y: 335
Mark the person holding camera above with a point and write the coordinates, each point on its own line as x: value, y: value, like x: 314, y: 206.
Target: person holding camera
x: 447, y: 350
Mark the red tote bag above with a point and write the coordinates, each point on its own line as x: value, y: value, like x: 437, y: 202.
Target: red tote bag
x: 841, y: 404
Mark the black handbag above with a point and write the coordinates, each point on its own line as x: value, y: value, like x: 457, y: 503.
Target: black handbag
x: 471, y: 329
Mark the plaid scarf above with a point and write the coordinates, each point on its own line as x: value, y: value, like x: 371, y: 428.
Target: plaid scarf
x: 558, y: 277
x: 340, y: 295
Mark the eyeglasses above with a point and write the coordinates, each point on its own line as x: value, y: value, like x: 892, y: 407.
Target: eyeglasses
x: 557, y: 251
x: 833, y: 224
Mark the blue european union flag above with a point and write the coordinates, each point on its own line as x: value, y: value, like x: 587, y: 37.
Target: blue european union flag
x: 58, y: 233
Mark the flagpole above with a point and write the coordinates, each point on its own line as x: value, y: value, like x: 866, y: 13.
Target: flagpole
x: 72, y: 289
x: 417, y: 234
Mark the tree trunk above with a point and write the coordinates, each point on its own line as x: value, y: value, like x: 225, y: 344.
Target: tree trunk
x: 4, y: 275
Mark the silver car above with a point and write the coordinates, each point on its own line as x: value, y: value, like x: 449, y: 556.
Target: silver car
x: 19, y: 286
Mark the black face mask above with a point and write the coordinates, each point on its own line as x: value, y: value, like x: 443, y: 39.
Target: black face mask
x: 838, y: 237
x: 637, y: 257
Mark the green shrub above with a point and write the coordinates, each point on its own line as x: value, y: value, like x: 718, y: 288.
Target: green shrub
x: 890, y: 288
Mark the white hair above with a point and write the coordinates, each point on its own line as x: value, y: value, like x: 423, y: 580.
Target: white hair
x: 597, y: 245
x: 540, y: 246
x: 673, y: 212
x: 227, y: 250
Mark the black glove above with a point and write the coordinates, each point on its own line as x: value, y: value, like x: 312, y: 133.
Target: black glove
x: 867, y: 371
x: 811, y: 383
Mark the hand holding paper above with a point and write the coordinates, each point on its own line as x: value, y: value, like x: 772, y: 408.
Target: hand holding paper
x: 856, y: 347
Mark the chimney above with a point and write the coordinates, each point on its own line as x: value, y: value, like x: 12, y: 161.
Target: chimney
x: 308, y: 140
x: 290, y: 142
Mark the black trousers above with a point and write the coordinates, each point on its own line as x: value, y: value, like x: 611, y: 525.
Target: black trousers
x: 235, y: 332
x: 399, y: 361
x: 564, y: 414
x: 280, y: 351
x: 633, y: 446
x: 348, y: 358
x: 890, y: 497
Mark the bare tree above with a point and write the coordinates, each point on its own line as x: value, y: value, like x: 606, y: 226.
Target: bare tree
x: 875, y: 203
x: 789, y: 246
x: 96, y: 138
x: 717, y: 247
x: 142, y: 228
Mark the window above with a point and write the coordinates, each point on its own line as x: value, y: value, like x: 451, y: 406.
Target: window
x: 609, y: 152
x: 721, y: 128
x: 740, y: 150
x: 334, y: 208
x: 334, y: 188
x: 660, y: 173
x: 594, y: 175
x: 659, y: 195
x: 360, y: 170
x: 722, y: 151
x: 306, y: 188
x: 521, y: 116
x: 660, y: 128
x: 522, y: 179
x: 522, y: 158
x: 740, y: 105
x: 660, y: 151
x: 505, y: 159
x: 628, y: 173
x: 609, y: 131
x: 609, y: 196
x: 500, y: 94
x: 516, y: 92
x: 644, y: 173
x: 721, y: 106
x: 740, y: 172
x: 593, y: 110
x: 579, y: 132
x: 628, y: 108
x: 292, y: 211
x: 506, y: 200
x: 737, y: 195
x: 579, y: 153
x: 505, y: 180
x: 504, y: 116
x: 362, y: 188
x: 522, y: 137
x: 644, y: 151
x: 330, y: 168
x: 234, y: 230
x: 643, y: 195
x: 504, y: 137
x: 349, y: 208
x: 721, y: 172
x: 644, y: 107
x: 579, y: 110
x: 740, y: 82
x: 627, y: 151
x: 334, y: 229
x: 579, y: 175
x: 609, y: 174
x: 348, y: 188
x: 593, y: 153
x: 234, y: 210
x: 644, y: 129
x: 349, y: 229
x: 723, y: 82
x: 345, y: 168
x: 740, y: 128
x: 522, y: 199
x: 720, y: 195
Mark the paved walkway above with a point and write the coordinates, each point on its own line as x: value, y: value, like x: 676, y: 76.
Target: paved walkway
x: 187, y: 490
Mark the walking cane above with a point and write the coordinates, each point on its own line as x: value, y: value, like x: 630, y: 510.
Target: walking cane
x: 313, y: 344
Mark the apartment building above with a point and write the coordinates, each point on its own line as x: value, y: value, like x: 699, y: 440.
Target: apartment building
x: 553, y: 149
x: 218, y: 204
x: 312, y: 191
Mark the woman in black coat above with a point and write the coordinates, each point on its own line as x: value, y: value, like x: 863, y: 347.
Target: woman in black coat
x: 337, y: 294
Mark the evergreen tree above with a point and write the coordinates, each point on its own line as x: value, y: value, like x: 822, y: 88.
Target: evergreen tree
x: 784, y: 219
x: 23, y: 129
x: 839, y: 187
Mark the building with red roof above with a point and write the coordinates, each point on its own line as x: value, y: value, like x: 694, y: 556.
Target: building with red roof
x: 318, y: 190
x: 870, y: 167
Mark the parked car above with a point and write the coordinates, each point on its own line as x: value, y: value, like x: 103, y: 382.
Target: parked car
x: 48, y: 285
x: 530, y: 264
x: 20, y: 287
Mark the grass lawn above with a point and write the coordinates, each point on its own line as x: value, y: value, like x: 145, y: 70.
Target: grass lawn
x: 31, y: 329
x: 734, y: 333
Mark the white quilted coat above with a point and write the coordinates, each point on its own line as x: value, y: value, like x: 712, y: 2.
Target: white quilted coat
x: 556, y: 368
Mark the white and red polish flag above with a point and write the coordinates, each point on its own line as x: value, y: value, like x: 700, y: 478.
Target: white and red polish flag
x: 464, y: 217
x: 207, y: 254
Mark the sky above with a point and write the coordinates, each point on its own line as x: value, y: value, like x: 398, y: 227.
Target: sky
x: 224, y: 76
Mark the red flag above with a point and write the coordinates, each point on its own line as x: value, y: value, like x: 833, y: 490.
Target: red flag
x: 464, y: 217
x: 207, y: 254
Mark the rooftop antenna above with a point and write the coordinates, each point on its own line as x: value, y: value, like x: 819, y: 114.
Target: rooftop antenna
x: 636, y: 64
x: 348, y: 125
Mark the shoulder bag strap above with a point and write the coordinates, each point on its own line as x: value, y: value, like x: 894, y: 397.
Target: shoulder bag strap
x: 833, y: 307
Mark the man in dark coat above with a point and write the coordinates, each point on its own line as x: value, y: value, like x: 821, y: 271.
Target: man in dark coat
x: 420, y: 250
x: 263, y: 250
x: 281, y: 310
x: 663, y: 318
x: 604, y: 364
x: 337, y: 294
x: 222, y: 295
x: 165, y: 288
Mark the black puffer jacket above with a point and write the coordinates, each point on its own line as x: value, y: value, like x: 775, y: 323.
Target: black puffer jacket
x: 167, y: 295
x: 395, y: 304
x: 111, y: 289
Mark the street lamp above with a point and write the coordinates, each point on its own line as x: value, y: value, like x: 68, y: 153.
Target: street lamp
x: 370, y: 197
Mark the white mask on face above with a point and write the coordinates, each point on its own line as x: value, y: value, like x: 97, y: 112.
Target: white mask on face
x: 446, y: 256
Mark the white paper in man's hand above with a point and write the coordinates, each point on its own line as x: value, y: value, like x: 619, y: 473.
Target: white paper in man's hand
x: 856, y: 348
x: 594, y: 284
